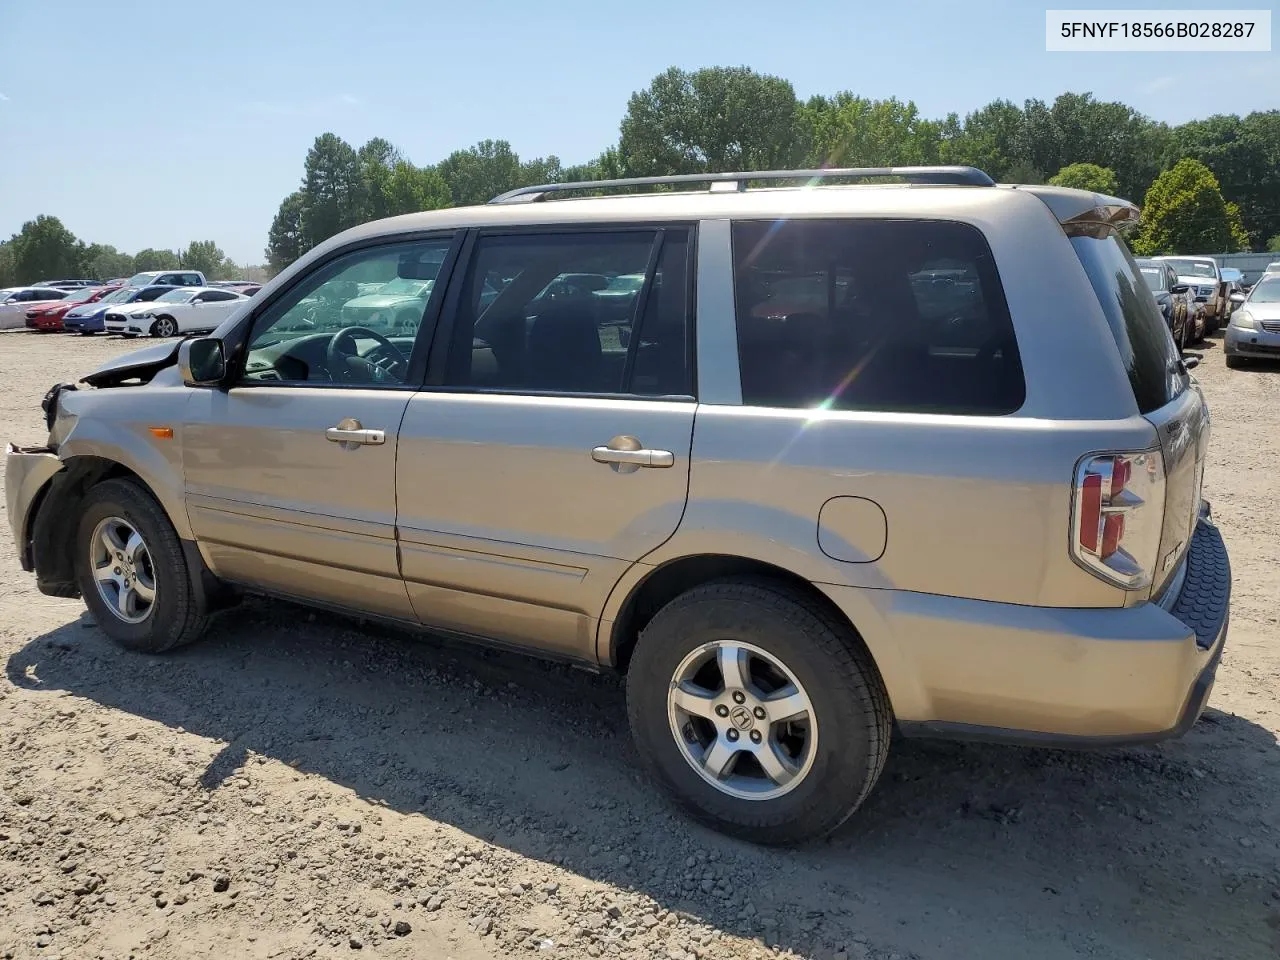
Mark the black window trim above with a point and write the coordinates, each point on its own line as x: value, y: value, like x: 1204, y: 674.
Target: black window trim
x: 437, y: 366
x: 237, y: 340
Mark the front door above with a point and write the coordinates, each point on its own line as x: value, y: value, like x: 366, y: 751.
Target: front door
x: 550, y: 450
x: 290, y: 473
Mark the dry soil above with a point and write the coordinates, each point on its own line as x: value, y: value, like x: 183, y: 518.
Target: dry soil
x: 299, y: 785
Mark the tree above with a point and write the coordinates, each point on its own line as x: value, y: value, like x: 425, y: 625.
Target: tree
x: 1184, y: 212
x: 286, y: 241
x: 1086, y: 176
x: 44, y: 249
x: 1273, y: 245
x: 712, y: 120
x: 104, y: 262
x: 1022, y: 171
x: 150, y: 259
x: 8, y: 272
x: 377, y: 159
x: 849, y: 131
x: 205, y: 256
x: 1079, y: 129
x: 332, y: 195
x: 988, y: 139
x: 480, y: 173
x: 1244, y: 155
x: 409, y: 189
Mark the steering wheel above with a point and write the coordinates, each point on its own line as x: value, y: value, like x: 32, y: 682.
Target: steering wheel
x: 343, y: 364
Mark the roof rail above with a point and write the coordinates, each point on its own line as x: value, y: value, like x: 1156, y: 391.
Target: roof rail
x: 963, y: 176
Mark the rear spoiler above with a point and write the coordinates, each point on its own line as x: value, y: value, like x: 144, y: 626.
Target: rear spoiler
x: 1077, y: 207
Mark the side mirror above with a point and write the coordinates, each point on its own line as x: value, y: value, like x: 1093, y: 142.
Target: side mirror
x: 202, y: 362
x: 1180, y: 288
x: 1231, y: 275
x: 1237, y: 298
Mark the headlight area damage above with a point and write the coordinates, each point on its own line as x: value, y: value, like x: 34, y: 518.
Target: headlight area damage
x: 40, y: 486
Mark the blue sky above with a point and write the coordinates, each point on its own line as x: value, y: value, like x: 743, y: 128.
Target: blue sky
x: 152, y: 124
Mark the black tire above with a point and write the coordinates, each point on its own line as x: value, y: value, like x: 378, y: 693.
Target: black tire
x: 175, y: 618
x: 1234, y: 362
x: 853, y: 714
x: 164, y: 327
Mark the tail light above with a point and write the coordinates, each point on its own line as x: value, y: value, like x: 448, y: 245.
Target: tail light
x: 1117, y: 511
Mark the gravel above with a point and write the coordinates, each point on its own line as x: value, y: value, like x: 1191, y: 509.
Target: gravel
x: 300, y: 785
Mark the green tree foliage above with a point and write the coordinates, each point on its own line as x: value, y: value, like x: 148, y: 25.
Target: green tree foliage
x: 104, y: 262
x: 285, y: 240
x: 714, y: 119
x: 1078, y: 128
x: 8, y: 272
x: 1184, y: 212
x: 1086, y: 176
x: 205, y: 256
x: 150, y: 259
x: 1244, y: 154
x: 988, y: 139
x: 408, y: 189
x: 850, y: 131
x: 44, y: 249
x: 480, y: 173
x: 1273, y: 246
x: 333, y: 194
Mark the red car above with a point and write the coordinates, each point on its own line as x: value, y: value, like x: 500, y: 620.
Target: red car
x: 48, y: 317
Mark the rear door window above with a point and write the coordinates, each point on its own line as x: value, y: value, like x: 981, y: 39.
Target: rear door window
x: 1146, y: 346
x: 885, y: 315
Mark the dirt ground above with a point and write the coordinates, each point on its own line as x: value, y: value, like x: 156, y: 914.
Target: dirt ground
x: 299, y: 786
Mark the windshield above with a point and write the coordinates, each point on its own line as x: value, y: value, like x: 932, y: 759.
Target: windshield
x: 1154, y: 277
x: 1267, y: 291
x: 176, y: 296
x: 142, y: 279
x: 81, y: 295
x: 404, y: 286
x: 1194, y: 268
x: 120, y: 296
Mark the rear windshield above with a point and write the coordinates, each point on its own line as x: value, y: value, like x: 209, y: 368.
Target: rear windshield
x: 884, y: 315
x: 1146, y: 346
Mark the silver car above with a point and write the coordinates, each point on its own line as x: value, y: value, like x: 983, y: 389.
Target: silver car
x: 1254, y: 330
x: 915, y: 453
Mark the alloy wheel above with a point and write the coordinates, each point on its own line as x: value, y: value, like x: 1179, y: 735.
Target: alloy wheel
x: 123, y: 570
x: 742, y: 720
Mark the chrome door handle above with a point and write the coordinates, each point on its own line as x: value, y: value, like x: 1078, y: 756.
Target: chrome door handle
x: 638, y: 458
x: 351, y: 430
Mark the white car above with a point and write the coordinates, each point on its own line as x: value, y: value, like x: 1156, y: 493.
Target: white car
x: 16, y: 301
x: 116, y: 319
x: 184, y: 310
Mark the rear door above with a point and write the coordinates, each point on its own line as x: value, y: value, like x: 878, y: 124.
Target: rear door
x: 550, y: 450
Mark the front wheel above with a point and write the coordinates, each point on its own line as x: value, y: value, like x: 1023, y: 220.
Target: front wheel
x: 164, y: 327
x: 132, y: 572
x: 1234, y: 362
x: 758, y: 710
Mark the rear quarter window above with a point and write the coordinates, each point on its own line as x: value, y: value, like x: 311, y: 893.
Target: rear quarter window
x: 1150, y: 357
x: 883, y: 315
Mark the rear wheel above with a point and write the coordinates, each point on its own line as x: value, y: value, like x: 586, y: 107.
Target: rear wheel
x: 758, y: 710
x: 132, y: 572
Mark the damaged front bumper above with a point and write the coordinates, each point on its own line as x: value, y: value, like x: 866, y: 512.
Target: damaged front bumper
x: 27, y: 473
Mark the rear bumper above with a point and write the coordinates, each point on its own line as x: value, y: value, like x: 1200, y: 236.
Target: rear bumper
x: 26, y: 474
x: 1056, y: 676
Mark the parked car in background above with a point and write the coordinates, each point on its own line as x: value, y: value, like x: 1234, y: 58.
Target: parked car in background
x: 18, y: 300
x: 117, y: 316
x: 88, y: 317
x: 1272, y: 268
x: 1174, y: 298
x: 168, y: 278
x: 1254, y: 330
x: 67, y: 284
x: 247, y: 287
x: 959, y: 495
x: 181, y: 310
x: 47, y: 317
x: 1210, y: 283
